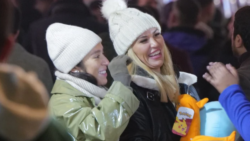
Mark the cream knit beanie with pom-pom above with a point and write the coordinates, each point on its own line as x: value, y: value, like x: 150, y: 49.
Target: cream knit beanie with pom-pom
x: 126, y: 24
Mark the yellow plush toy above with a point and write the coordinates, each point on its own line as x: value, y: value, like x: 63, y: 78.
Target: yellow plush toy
x: 193, y: 134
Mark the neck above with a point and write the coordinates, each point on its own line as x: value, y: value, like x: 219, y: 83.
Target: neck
x: 244, y: 57
x: 157, y: 70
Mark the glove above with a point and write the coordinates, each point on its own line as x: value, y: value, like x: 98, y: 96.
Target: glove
x: 118, y: 69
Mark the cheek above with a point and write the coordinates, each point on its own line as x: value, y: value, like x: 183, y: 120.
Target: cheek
x: 161, y: 42
x: 92, y: 68
x: 141, y: 52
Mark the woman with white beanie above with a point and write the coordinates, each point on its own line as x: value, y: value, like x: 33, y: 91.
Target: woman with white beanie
x: 79, y: 100
x: 154, y: 82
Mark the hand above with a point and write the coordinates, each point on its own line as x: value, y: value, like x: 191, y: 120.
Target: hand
x: 221, y: 76
x: 118, y: 69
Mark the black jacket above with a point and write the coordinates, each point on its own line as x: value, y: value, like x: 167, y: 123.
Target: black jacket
x: 153, y: 121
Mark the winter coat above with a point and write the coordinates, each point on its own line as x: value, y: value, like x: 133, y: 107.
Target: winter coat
x: 88, y: 122
x: 67, y: 12
x: 244, y: 77
x: 190, y: 40
x: 153, y: 121
x: 244, y: 74
x: 20, y: 57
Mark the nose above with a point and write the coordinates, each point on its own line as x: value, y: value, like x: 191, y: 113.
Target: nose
x: 105, y: 61
x: 153, y: 43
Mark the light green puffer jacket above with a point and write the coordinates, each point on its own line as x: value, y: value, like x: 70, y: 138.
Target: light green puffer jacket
x: 87, y: 122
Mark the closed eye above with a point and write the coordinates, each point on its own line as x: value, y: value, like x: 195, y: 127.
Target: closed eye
x: 97, y: 56
x: 157, y: 34
x: 143, y: 41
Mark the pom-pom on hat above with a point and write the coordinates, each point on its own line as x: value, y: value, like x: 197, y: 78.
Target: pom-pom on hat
x: 68, y: 45
x: 126, y: 24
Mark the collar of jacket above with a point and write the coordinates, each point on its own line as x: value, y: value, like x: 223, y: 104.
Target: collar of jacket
x: 143, y: 79
x: 62, y: 86
x: 244, y: 58
x: 86, y: 88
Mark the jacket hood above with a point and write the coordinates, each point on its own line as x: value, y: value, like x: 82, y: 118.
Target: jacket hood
x: 188, y: 39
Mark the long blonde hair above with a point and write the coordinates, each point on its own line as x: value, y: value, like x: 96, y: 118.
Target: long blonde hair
x: 166, y: 80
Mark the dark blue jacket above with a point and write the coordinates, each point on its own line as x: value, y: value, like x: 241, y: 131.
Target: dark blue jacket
x: 190, y: 40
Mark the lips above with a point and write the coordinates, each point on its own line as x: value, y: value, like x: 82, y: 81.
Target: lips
x: 155, y: 53
x: 103, y: 72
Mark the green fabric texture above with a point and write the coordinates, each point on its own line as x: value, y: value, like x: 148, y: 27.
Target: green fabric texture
x: 87, y: 122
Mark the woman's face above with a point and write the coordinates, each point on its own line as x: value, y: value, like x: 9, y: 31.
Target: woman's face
x: 149, y: 48
x: 95, y: 63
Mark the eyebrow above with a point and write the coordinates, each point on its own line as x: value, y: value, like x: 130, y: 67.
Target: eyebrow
x: 155, y: 30
x: 146, y: 36
x: 97, y: 51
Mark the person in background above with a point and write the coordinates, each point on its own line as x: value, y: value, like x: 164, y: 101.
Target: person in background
x: 72, y: 12
x: 142, y: 3
x: 43, y: 6
x: 206, y: 16
x: 183, y: 35
x: 20, y: 57
x: 79, y: 101
x: 23, y: 98
x: 225, y: 79
x: 241, y: 47
x: 166, y: 12
x: 29, y: 13
x: 95, y: 9
x: 180, y: 58
x: 224, y: 54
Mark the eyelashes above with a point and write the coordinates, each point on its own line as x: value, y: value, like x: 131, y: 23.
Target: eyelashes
x: 145, y: 40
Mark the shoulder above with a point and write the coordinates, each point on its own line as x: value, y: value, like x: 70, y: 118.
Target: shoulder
x: 64, y: 104
x: 144, y: 95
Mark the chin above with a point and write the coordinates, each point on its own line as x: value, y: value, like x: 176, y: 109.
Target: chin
x: 102, y: 82
x: 158, y: 64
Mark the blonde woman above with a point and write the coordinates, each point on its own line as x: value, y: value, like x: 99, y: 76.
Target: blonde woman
x: 154, y: 81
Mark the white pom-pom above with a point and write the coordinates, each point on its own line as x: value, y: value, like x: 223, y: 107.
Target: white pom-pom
x: 111, y: 6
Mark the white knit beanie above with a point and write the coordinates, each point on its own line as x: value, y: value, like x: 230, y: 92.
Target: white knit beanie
x: 68, y: 45
x: 126, y: 24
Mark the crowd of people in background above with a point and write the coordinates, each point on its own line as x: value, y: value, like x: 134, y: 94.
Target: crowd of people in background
x: 111, y: 69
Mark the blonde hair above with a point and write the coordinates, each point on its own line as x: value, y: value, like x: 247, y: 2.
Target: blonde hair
x: 166, y: 80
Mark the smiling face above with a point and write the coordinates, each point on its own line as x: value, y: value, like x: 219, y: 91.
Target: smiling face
x: 95, y: 63
x: 149, y: 49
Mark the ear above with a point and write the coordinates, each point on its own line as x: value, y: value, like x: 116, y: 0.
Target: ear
x: 238, y: 42
x: 76, y: 70
x: 6, y: 49
x: 202, y: 102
